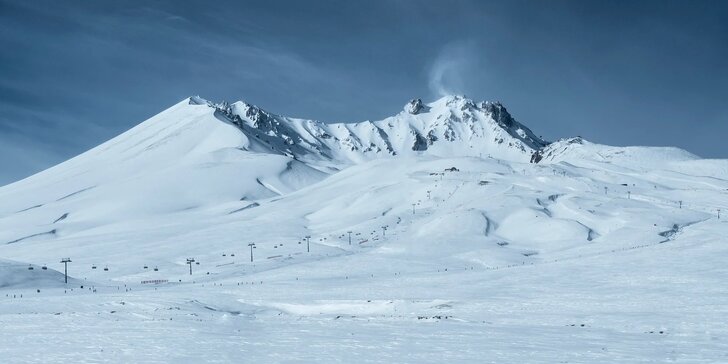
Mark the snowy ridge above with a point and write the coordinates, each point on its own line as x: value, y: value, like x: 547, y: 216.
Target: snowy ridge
x: 646, y: 157
x: 450, y: 126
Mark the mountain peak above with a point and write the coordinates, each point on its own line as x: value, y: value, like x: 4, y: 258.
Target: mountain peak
x: 414, y: 106
x: 453, y: 125
x: 498, y: 112
x: 452, y: 98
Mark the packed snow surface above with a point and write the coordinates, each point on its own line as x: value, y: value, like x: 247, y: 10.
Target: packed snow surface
x: 426, y: 237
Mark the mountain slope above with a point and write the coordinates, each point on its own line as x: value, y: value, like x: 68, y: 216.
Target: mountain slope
x: 309, y: 243
x: 179, y: 160
x: 198, y: 155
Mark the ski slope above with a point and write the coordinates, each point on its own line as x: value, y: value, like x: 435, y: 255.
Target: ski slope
x: 594, y: 254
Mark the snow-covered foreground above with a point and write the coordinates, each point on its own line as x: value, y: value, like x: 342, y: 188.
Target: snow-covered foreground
x: 510, y: 316
x: 632, y: 310
x: 598, y: 254
x: 437, y: 286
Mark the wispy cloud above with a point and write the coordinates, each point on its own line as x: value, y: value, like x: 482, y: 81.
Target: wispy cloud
x: 451, y: 69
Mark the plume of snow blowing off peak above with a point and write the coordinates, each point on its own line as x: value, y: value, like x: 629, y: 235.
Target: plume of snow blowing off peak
x: 448, y: 72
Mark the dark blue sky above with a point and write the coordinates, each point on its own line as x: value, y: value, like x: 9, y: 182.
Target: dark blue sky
x: 76, y: 73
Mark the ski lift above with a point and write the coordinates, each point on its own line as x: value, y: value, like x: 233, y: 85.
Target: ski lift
x: 93, y: 266
x: 146, y: 267
x: 198, y: 263
x: 223, y: 254
x: 275, y: 246
x: 156, y: 269
x: 106, y: 269
x: 232, y: 255
x: 44, y: 267
x: 30, y: 267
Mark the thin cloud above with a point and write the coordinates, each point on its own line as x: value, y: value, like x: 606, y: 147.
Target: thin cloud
x: 452, y: 68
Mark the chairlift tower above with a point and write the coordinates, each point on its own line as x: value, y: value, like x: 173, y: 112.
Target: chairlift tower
x: 308, y: 243
x: 349, y: 232
x: 251, y: 245
x: 65, y: 262
x: 190, y: 261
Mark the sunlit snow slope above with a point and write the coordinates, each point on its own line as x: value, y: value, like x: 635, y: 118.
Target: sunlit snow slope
x: 431, y: 237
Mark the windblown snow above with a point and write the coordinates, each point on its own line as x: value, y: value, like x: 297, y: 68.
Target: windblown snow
x: 449, y: 232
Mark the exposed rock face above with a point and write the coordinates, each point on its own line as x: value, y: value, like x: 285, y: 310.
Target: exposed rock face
x: 536, y: 156
x: 414, y: 106
x: 498, y: 112
x: 420, y: 143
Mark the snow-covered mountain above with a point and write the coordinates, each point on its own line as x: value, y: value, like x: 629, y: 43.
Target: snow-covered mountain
x: 447, y: 232
x: 197, y: 154
x: 450, y: 126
